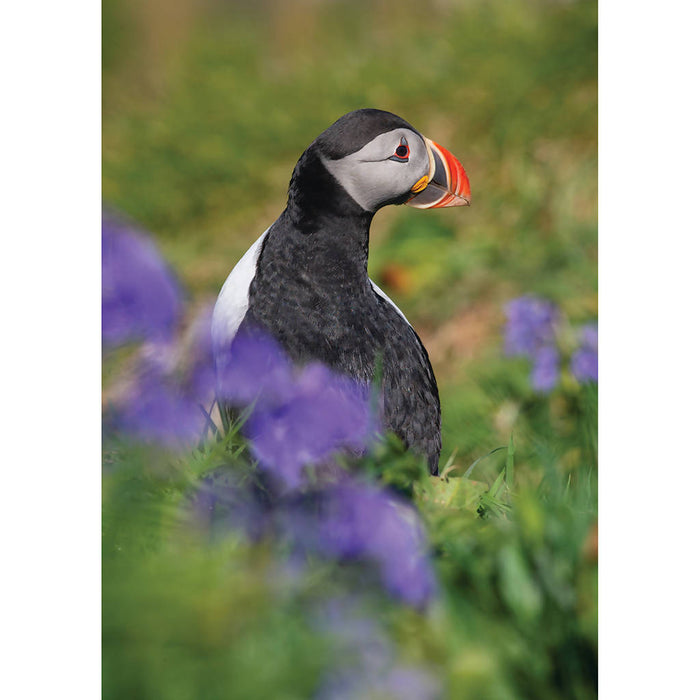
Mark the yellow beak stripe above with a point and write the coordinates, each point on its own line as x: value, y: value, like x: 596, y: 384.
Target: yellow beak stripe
x: 420, y: 185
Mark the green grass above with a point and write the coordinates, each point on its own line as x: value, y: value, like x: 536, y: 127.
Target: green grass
x: 206, y: 109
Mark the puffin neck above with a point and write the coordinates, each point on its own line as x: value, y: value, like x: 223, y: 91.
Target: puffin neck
x: 325, y: 220
x: 317, y: 201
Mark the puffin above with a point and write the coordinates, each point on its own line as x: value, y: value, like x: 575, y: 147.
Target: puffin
x: 304, y: 281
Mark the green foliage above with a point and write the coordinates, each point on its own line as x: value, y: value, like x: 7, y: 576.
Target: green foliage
x: 518, y: 569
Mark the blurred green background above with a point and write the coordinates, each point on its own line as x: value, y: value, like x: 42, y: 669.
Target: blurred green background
x: 206, y: 108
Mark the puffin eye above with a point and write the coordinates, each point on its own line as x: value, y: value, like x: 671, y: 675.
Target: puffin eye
x: 402, y: 151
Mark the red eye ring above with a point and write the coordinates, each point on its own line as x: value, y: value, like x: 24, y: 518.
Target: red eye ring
x: 402, y: 151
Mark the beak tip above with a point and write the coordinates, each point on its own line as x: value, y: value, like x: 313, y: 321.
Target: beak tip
x: 452, y: 187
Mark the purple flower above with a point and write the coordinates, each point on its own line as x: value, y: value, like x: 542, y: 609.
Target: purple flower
x: 530, y: 325
x: 156, y: 409
x: 171, y: 388
x: 140, y: 295
x: 359, y: 522
x: 407, y: 683
x: 199, y: 357
x: 255, y: 366
x: 368, y: 665
x: 584, y: 362
x: 357, y: 637
x: 545, y: 369
x: 395, y: 682
x: 299, y: 417
x: 318, y: 413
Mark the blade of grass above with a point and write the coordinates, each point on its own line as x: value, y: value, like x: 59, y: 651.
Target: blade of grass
x: 510, y: 462
x: 476, y: 461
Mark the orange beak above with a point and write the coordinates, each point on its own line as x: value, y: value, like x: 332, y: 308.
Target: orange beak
x: 447, y: 183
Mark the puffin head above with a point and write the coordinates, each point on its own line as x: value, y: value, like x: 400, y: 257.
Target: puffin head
x: 379, y: 159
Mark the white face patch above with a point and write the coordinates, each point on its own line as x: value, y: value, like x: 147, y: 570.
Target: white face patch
x: 375, y: 174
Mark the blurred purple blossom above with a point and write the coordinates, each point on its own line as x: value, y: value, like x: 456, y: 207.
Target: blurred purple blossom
x: 530, y: 325
x: 545, y: 368
x: 140, y: 295
x: 157, y: 409
x: 584, y: 361
x: 170, y: 390
x: 363, y: 522
x: 141, y: 300
x: 395, y: 682
x: 319, y: 414
x: 255, y: 366
x: 299, y: 416
x: 355, y: 522
x: 200, y: 372
x: 356, y: 635
x: 346, y: 521
x: 531, y: 330
x: 370, y: 668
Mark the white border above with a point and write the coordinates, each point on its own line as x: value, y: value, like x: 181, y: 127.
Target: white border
x: 50, y: 121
